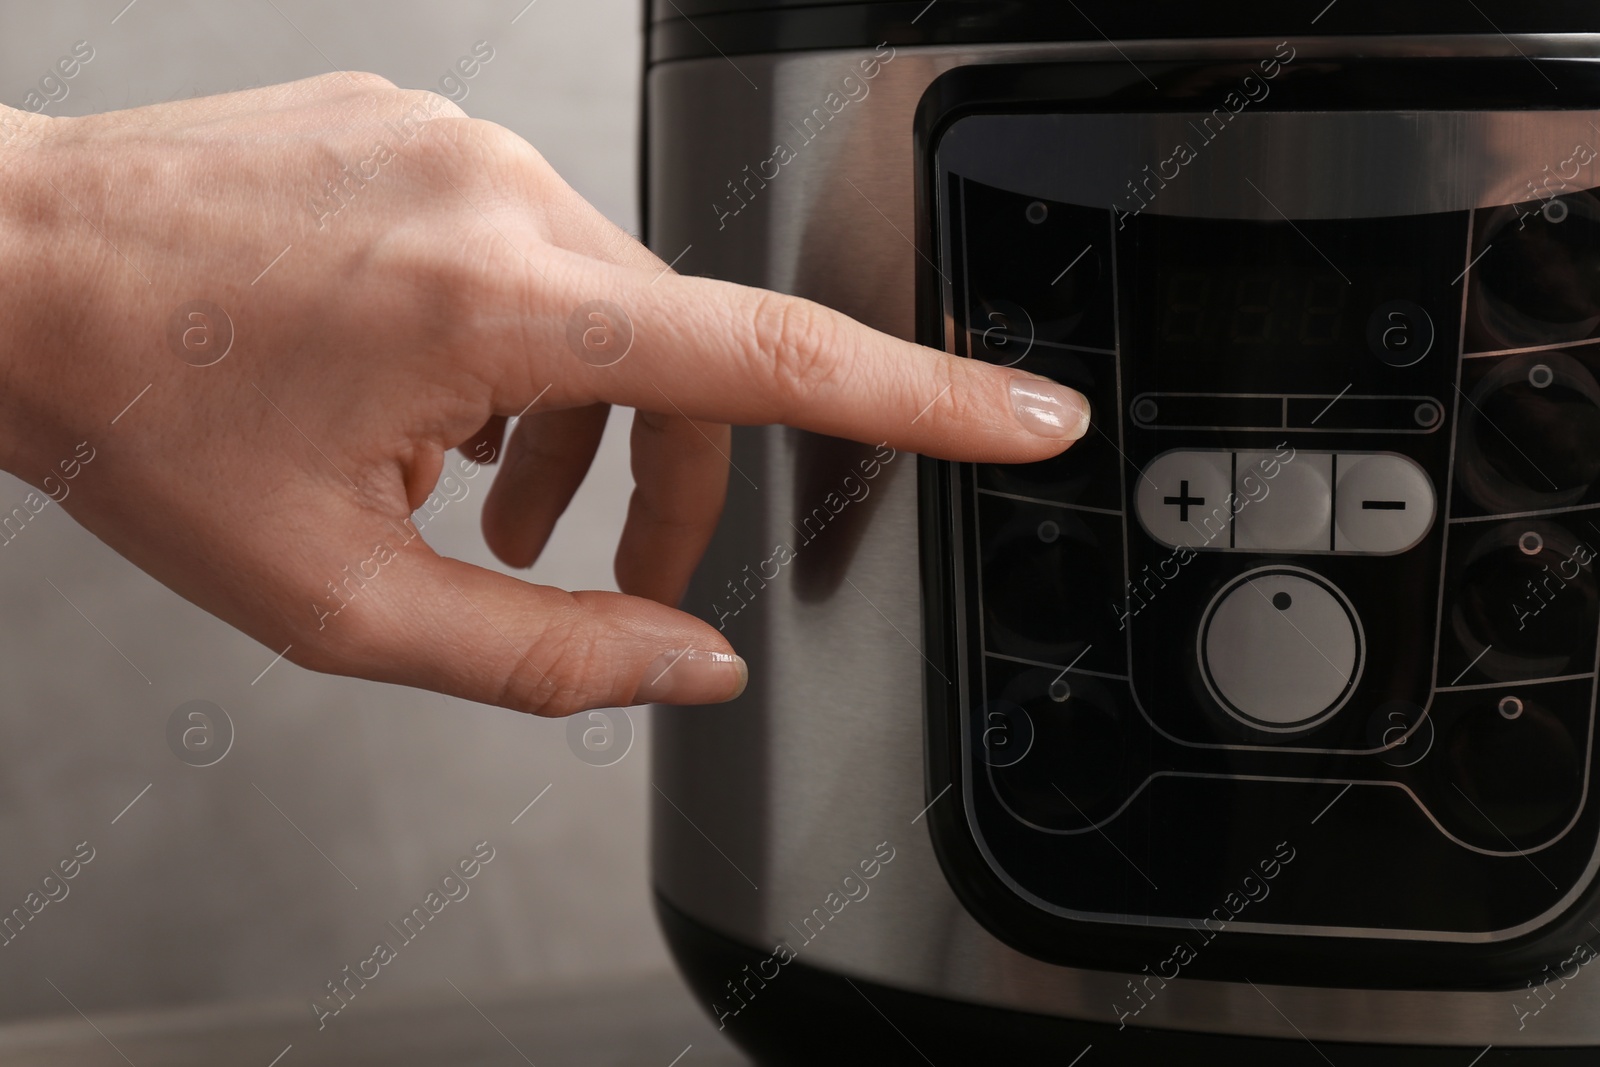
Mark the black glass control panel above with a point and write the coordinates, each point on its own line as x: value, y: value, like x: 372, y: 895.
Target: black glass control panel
x: 1301, y: 638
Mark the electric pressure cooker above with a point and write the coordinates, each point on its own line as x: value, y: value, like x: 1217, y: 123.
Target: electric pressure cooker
x: 1260, y: 724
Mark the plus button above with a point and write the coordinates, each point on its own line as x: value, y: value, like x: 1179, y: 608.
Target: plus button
x: 1183, y: 500
x: 1188, y: 517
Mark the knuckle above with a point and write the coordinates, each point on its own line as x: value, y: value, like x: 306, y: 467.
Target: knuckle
x: 797, y: 342
x: 508, y: 171
x: 495, y: 141
x: 425, y: 105
x: 360, y: 80
x: 409, y: 110
x: 958, y: 399
x: 554, y: 676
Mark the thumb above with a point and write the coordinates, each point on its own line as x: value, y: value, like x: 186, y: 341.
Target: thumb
x: 454, y: 628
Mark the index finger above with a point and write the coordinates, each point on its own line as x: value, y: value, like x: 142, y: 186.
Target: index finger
x: 714, y: 351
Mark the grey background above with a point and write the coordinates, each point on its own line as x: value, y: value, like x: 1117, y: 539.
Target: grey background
x: 201, y: 892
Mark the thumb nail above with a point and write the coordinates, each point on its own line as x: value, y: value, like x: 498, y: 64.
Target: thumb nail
x: 692, y: 676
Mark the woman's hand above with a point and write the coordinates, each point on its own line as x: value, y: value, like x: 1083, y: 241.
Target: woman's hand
x: 383, y: 280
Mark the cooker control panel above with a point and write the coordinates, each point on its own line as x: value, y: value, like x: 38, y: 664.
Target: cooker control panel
x: 1316, y: 594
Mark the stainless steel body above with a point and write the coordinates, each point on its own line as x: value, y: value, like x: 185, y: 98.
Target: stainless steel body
x: 763, y: 805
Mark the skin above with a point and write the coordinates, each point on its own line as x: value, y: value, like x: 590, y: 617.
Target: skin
x: 433, y: 305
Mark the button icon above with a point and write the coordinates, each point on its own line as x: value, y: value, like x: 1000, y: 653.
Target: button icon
x: 1383, y: 503
x: 1280, y: 648
x: 1182, y: 499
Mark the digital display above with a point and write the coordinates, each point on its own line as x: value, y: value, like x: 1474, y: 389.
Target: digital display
x: 1258, y: 307
x: 1246, y: 306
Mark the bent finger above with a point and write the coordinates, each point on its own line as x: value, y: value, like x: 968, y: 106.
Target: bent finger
x: 680, y: 475
x: 546, y: 459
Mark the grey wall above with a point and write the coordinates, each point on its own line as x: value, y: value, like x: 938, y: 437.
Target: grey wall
x: 202, y: 891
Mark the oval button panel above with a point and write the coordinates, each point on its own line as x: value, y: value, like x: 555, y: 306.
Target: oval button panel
x: 1373, y: 503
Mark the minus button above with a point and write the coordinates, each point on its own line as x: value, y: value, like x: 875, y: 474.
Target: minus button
x: 1385, y: 503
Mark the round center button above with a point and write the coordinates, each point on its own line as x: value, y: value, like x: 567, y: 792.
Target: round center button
x: 1280, y: 648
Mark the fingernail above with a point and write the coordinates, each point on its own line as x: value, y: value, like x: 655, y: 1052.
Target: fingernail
x: 692, y: 676
x: 1048, y: 409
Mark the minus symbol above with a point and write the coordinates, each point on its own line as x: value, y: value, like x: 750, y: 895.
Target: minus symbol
x: 1383, y: 505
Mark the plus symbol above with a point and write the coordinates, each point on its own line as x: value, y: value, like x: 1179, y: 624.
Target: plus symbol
x: 1183, y: 500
